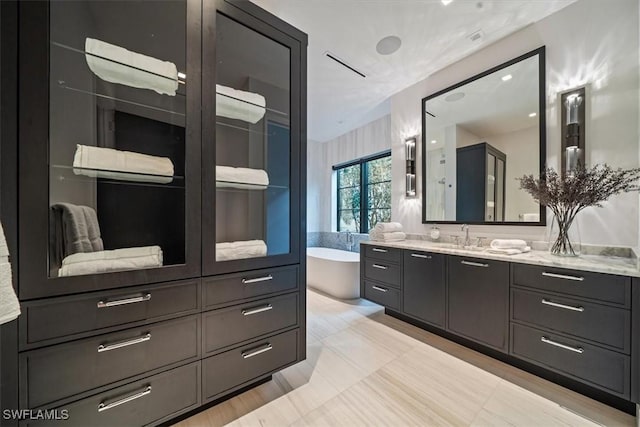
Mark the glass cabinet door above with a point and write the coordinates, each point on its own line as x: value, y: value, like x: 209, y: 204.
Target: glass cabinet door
x: 122, y: 136
x: 256, y: 164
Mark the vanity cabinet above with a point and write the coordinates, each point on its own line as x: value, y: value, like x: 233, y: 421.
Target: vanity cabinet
x: 381, y: 276
x: 158, y: 196
x: 424, y: 286
x: 478, y: 300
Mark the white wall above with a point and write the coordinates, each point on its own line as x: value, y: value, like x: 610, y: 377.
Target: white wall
x: 369, y: 139
x: 589, y: 42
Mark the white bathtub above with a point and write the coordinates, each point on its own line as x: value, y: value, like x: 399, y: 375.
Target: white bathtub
x: 334, y: 272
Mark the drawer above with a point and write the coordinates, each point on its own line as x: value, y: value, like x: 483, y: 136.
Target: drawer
x: 233, y: 325
x: 65, y: 317
x: 61, y: 371
x: 383, y: 253
x: 152, y: 400
x: 383, y: 295
x: 604, y: 369
x: 243, y: 365
x: 382, y: 272
x: 584, y: 284
x: 601, y: 324
x: 237, y: 287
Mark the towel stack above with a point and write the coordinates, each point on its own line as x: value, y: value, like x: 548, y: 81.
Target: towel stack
x: 113, y: 260
x: 508, y: 247
x: 246, y: 178
x: 387, y: 232
x: 239, y: 250
x: 9, y: 306
x: 239, y: 104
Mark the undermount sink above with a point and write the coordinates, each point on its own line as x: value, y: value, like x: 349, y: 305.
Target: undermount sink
x: 465, y: 248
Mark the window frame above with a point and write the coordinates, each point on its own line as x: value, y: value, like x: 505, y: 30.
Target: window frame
x: 364, y: 184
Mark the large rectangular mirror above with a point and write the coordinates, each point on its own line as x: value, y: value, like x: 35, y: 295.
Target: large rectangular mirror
x: 478, y: 136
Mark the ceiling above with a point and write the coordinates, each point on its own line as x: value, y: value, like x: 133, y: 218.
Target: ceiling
x: 433, y: 36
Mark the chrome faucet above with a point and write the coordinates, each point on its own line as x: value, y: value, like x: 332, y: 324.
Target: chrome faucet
x: 349, y: 240
x: 467, y: 241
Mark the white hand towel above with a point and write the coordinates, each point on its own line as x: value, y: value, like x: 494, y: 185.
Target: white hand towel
x: 227, y: 176
x: 508, y: 244
x: 116, y: 64
x: 393, y: 236
x: 239, y: 104
x: 111, y: 260
x: 388, y: 227
x: 239, y: 250
x: 512, y: 251
x: 9, y: 305
x: 531, y: 217
x: 109, y: 163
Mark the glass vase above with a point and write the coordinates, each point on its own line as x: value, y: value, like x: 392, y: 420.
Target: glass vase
x: 564, y: 237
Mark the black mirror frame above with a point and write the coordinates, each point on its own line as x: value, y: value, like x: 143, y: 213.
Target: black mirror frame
x: 542, y: 130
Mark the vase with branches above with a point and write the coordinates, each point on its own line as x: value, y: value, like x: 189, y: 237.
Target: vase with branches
x: 567, y: 194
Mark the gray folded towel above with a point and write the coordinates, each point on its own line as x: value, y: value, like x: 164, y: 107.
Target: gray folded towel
x: 77, y: 229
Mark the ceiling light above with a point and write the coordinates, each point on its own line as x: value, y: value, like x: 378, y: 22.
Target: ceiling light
x: 507, y: 77
x: 433, y: 141
x: 388, y: 45
x: 446, y: 2
x: 533, y: 114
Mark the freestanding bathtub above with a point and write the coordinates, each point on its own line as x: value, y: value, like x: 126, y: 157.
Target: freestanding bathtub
x: 334, y: 272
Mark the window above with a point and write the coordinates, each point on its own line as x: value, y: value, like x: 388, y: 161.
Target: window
x: 364, y: 192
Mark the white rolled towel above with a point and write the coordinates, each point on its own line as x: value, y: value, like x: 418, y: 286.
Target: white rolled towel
x: 116, y: 64
x: 9, y: 305
x: 388, y: 227
x: 122, y: 165
x: 393, y: 236
x: 239, y: 104
x: 227, y: 251
x: 508, y: 244
x: 111, y: 260
x: 227, y: 176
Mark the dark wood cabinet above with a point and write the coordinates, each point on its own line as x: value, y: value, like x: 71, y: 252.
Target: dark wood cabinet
x: 424, y: 286
x: 478, y: 300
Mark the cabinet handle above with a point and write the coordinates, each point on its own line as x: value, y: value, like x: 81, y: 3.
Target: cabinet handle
x: 103, y: 348
x: 381, y: 267
x: 377, y: 288
x: 564, y: 346
x: 558, y: 305
x: 255, y: 352
x: 257, y: 279
x: 103, y: 407
x: 563, y: 276
x: 421, y: 256
x: 384, y: 251
x: 123, y: 301
x: 257, y: 310
x: 474, y: 264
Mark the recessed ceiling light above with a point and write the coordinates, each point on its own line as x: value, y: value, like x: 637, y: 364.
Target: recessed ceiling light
x: 388, y: 45
x: 433, y: 141
x: 446, y: 2
x: 533, y: 114
x: 457, y: 96
x: 507, y: 77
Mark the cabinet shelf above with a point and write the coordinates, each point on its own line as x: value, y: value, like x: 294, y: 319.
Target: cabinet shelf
x: 272, y: 110
x: 244, y: 187
x: 68, y: 173
x: 244, y: 129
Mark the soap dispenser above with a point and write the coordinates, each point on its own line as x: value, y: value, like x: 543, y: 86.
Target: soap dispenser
x: 434, y: 233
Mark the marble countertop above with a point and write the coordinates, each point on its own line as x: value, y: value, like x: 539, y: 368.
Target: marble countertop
x: 596, y: 263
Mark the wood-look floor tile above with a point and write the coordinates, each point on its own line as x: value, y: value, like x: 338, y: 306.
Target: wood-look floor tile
x: 361, y: 351
x: 387, y: 337
x: 277, y: 413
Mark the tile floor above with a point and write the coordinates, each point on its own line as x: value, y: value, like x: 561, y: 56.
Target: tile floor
x: 365, y: 368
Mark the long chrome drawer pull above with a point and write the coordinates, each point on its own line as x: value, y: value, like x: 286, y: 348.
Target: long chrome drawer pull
x: 381, y: 267
x: 474, y: 264
x: 564, y: 346
x: 377, y: 288
x: 103, y: 407
x: 102, y: 348
x: 123, y: 301
x: 566, y: 307
x: 421, y: 256
x: 251, y: 353
x: 384, y: 251
x: 257, y: 310
x: 257, y: 279
x: 563, y: 276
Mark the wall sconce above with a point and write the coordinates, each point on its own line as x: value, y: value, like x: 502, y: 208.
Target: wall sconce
x: 573, y: 129
x: 410, y: 154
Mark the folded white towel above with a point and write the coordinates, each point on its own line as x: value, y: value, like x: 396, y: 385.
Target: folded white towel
x: 508, y: 244
x: 239, y: 250
x: 227, y: 176
x: 531, y: 217
x: 111, y: 260
x: 393, y: 236
x: 388, y: 227
x: 512, y: 251
x: 116, y: 64
x: 9, y: 305
x: 114, y: 164
x: 238, y: 104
